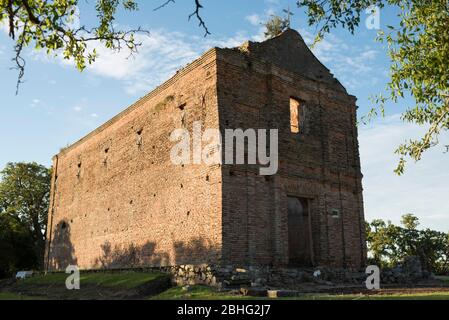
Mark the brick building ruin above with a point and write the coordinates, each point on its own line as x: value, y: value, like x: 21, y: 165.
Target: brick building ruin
x: 117, y: 201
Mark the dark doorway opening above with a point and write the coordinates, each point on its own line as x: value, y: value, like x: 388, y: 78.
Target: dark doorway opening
x: 299, y: 232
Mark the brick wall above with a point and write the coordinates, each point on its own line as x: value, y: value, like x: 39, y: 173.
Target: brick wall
x: 118, y: 201
x: 321, y: 164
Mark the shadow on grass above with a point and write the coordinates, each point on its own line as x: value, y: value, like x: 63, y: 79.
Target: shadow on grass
x: 197, y: 292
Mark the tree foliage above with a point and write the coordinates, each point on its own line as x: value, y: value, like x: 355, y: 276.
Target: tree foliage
x: 16, y: 246
x: 54, y: 26
x: 389, y: 244
x: 418, y: 48
x: 275, y: 26
x: 24, y: 202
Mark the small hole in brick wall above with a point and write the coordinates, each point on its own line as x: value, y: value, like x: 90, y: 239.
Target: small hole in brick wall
x: 227, y: 123
x: 182, y: 186
x: 106, y: 150
x: 64, y: 225
x: 188, y: 213
x: 139, y: 142
x: 139, y: 132
x: 182, y: 106
x: 154, y: 147
x: 207, y: 178
x: 182, y: 166
x: 130, y: 202
x: 109, y: 209
x: 154, y: 195
x: 78, y: 172
x: 231, y: 173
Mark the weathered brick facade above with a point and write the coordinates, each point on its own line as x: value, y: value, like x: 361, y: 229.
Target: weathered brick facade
x: 118, y: 201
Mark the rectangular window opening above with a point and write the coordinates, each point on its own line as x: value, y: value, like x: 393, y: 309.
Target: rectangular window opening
x: 295, y: 109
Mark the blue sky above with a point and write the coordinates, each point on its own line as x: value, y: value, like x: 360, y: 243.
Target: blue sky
x: 57, y: 105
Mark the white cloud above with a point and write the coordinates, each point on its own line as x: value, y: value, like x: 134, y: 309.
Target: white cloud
x: 422, y: 190
x: 160, y: 56
x: 232, y: 42
x: 94, y: 115
x: 4, y: 26
x: 78, y: 108
x: 34, y: 103
x: 345, y: 61
x: 254, y: 19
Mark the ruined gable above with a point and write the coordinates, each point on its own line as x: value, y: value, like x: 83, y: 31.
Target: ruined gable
x: 289, y: 51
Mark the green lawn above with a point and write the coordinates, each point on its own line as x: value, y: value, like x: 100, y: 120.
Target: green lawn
x: 208, y: 293
x: 197, y: 292
x: 416, y: 296
x: 94, y: 285
x: 122, y: 283
x: 126, y: 280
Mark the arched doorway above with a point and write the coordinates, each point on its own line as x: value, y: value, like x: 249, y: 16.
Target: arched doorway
x: 299, y: 236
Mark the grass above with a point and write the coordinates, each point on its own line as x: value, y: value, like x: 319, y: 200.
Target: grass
x: 197, y: 292
x: 53, y: 286
x: 125, y: 280
x: 413, y: 296
x: 207, y: 293
x: 94, y: 285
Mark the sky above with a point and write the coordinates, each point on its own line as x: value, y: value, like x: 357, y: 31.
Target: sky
x: 57, y: 105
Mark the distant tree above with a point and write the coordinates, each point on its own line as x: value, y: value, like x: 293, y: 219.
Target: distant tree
x: 410, y: 221
x: 380, y: 237
x: 17, y: 250
x: 389, y: 244
x: 24, y: 201
x: 275, y: 26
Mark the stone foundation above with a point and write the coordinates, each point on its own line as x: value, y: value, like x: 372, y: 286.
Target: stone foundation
x: 408, y: 272
x: 260, y: 276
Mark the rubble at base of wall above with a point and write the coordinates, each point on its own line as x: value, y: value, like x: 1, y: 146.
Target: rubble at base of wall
x: 260, y: 276
x: 409, y: 272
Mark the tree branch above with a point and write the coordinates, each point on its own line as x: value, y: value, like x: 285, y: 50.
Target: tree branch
x: 196, y: 13
x: 166, y: 3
